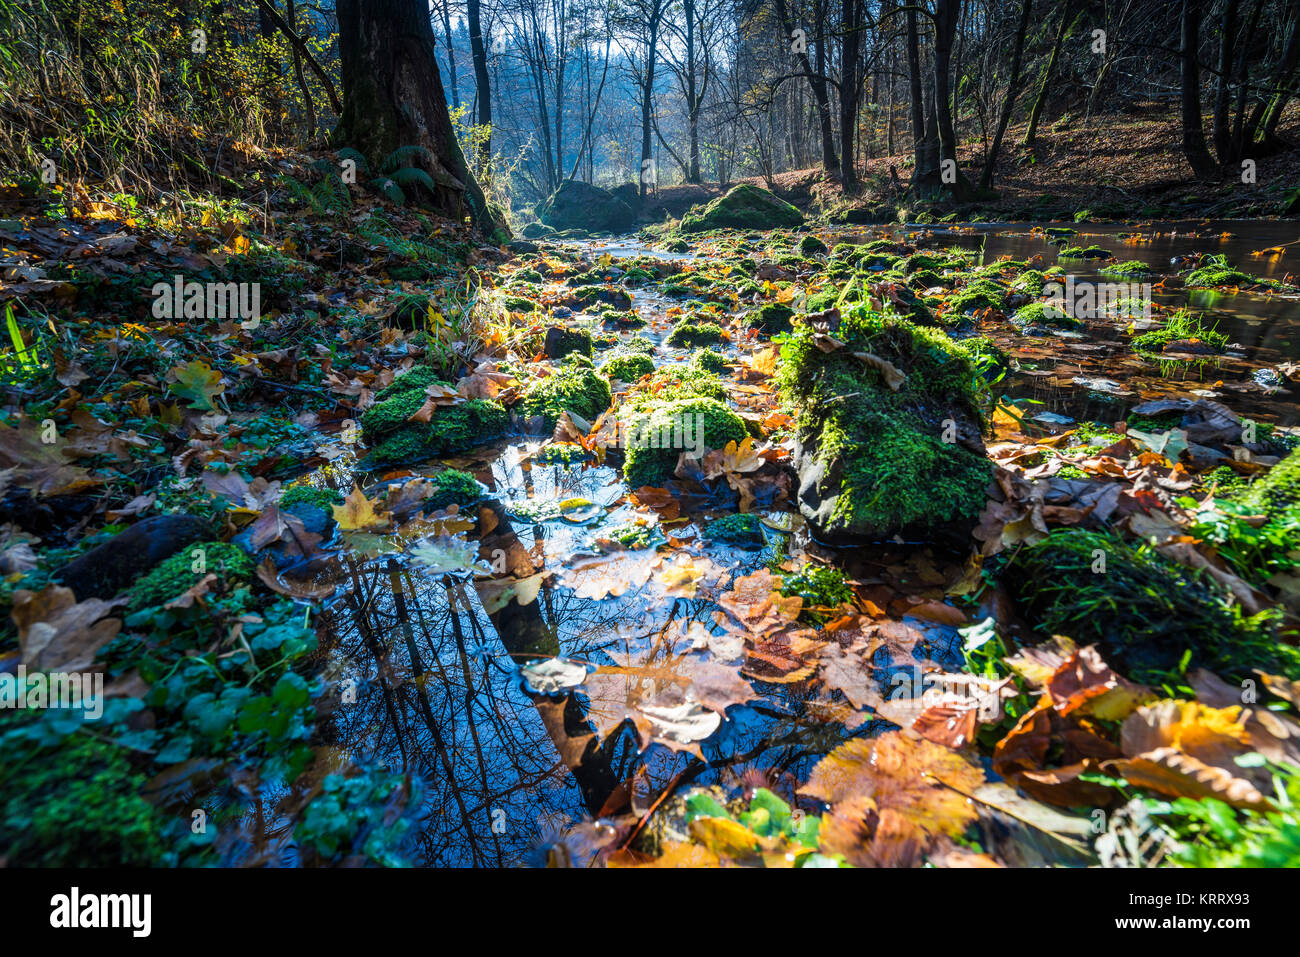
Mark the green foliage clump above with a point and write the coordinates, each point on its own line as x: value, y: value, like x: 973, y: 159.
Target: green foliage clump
x: 819, y: 586
x: 639, y: 343
x: 811, y: 246
x: 174, y: 576
x: 1129, y: 269
x: 416, y: 379
x: 575, y: 389
x: 710, y: 360
x: 1043, y: 314
x: 743, y: 529
x: 672, y: 383
x: 365, y: 816
x: 652, y: 466
x: 453, y: 486
x: 628, y: 367
x: 1148, y: 615
x: 634, y: 535
x: 623, y: 318
x: 1030, y: 281
x: 1215, y: 271
x: 688, y: 334
x: 322, y: 498
x: 562, y: 453
x: 771, y: 318
x: 1211, y: 833
x: 1183, y: 326
x: 882, y: 460
x: 77, y: 805
x: 1278, y: 492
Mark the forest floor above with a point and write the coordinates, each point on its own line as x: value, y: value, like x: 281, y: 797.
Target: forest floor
x: 450, y: 553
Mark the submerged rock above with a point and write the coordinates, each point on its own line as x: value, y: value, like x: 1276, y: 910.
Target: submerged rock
x: 577, y: 205
x: 396, y: 439
x: 888, y: 433
x: 743, y: 207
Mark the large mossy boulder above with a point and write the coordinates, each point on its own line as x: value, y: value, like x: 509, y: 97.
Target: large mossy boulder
x: 743, y: 207
x: 396, y: 439
x: 577, y: 205
x: 888, y: 429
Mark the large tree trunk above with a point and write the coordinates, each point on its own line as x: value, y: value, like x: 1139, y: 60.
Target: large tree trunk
x: 647, y: 94
x: 393, y: 96
x: 1194, y: 148
x: 1227, y: 39
x: 1009, y: 102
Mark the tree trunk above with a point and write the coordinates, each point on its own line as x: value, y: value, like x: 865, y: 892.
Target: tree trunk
x: 851, y: 11
x: 1009, y: 102
x: 393, y: 96
x: 1194, y: 148
x: 816, y: 80
x: 445, y: 7
x: 482, y: 84
x: 1036, y: 112
x: 647, y: 92
x: 946, y: 14
x: 922, y: 171
x: 1227, y: 39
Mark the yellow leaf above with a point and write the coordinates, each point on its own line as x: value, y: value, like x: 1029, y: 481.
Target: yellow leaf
x: 357, y: 512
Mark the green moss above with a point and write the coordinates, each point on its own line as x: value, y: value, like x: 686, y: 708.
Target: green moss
x: 176, y: 575
x: 561, y: 342
x: 652, y: 466
x: 455, y: 487
x: 519, y: 304
x: 451, y: 428
x: 1030, y: 281
x: 710, y: 360
x: 771, y: 318
x: 978, y: 294
x: 628, y: 367
x: 78, y: 805
x: 672, y: 383
x: 1043, y: 314
x: 879, y: 454
x: 416, y: 379
x: 1145, y: 613
x: 625, y: 319
x: 743, y: 207
x: 819, y: 586
x: 1279, y: 490
x: 322, y: 498
x: 634, y: 536
x: 1131, y: 269
x: 743, y: 530
x: 562, y: 453
x: 639, y: 343
x: 1083, y: 252
x: 688, y: 334
x: 811, y: 246
x: 576, y: 389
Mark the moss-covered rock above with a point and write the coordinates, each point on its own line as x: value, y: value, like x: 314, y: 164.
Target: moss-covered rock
x: 537, y: 231
x: 771, y: 318
x: 561, y: 341
x: 812, y: 246
x: 397, y: 440
x: 628, y: 367
x: 743, y: 207
x: 711, y: 361
x: 689, y: 333
x: 454, y: 487
x: 185, y: 569
x: 574, y: 388
x: 875, y: 461
x: 693, y: 422
x: 578, y: 205
x: 1144, y: 612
